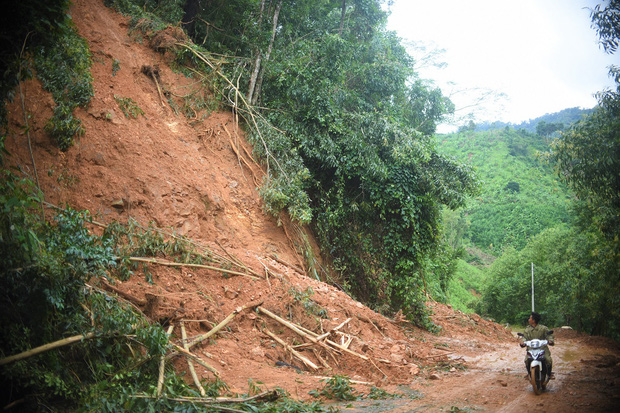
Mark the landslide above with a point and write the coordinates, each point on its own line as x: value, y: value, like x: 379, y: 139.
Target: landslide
x: 194, y: 176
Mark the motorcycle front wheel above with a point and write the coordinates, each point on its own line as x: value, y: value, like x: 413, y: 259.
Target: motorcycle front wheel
x: 535, y: 380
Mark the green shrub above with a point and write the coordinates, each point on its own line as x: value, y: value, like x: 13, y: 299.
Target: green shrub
x: 63, y: 66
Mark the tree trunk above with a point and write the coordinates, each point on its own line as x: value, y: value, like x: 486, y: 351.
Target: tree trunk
x: 190, y: 11
x: 259, y: 81
x: 258, y: 59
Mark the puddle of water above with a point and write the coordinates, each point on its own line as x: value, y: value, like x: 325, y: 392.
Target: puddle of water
x: 570, y: 356
x: 382, y: 405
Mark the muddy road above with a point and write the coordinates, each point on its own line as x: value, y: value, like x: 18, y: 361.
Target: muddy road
x: 587, y: 380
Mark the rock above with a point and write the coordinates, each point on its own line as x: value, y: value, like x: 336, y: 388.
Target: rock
x: 258, y: 352
x: 395, y: 357
x: 434, y: 377
x: 118, y: 204
x: 414, y: 370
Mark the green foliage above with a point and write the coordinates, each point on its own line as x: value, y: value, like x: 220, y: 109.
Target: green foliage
x: 116, y: 66
x: 520, y: 198
x: 381, y: 394
x: 303, y: 297
x: 129, y: 107
x: 134, y: 240
x: 343, y: 128
x: 574, y: 275
x: 44, y: 298
x: 606, y: 21
x: 465, y: 289
x: 336, y: 388
x: 160, y: 12
x: 23, y: 28
x: 63, y: 65
x: 587, y: 157
x: 63, y: 127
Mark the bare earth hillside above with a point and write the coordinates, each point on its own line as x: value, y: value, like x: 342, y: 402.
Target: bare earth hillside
x: 196, y: 176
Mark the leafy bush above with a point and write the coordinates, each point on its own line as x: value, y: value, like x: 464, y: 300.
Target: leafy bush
x: 63, y: 65
x: 336, y: 388
x: 129, y: 107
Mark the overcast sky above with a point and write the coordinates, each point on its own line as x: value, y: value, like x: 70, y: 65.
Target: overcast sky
x: 542, y: 54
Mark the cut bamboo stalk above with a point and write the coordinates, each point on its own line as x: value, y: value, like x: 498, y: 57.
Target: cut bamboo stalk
x: 46, y: 347
x: 182, y: 351
x: 235, y: 260
x: 363, y: 317
x: 221, y: 325
x: 162, y: 366
x: 312, y: 336
x: 292, y: 350
x: 241, y: 157
x: 438, y: 355
x: 296, y: 328
x: 322, y: 336
x: 190, y: 365
x: 320, y: 359
x: 346, y: 350
x: 179, y: 264
x: 377, y: 367
x: 269, y: 395
x: 281, y: 261
x: 127, y: 296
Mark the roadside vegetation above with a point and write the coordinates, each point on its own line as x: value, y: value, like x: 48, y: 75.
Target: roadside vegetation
x: 549, y: 198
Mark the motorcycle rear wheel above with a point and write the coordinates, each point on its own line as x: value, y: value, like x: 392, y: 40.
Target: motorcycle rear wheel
x: 535, y: 381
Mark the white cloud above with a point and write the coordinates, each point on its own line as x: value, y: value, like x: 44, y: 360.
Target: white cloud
x: 542, y: 54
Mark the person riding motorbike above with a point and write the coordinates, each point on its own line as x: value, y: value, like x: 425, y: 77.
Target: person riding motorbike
x: 535, y: 330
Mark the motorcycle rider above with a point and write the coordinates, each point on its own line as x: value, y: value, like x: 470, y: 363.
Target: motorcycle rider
x: 535, y: 330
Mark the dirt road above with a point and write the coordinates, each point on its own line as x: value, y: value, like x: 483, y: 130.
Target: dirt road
x: 587, y: 380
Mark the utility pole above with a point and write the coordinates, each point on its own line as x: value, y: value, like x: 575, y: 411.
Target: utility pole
x: 533, y: 287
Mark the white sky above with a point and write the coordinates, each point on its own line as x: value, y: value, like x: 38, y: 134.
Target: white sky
x: 542, y: 54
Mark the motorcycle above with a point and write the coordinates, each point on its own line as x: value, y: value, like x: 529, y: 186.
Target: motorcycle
x: 537, y: 367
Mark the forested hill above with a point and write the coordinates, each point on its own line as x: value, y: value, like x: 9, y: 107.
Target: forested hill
x: 520, y: 194
x: 561, y: 120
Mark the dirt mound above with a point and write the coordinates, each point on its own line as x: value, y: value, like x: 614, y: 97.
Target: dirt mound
x: 192, y: 173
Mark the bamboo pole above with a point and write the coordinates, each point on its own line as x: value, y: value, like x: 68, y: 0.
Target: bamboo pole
x: 179, y: 264
x: 190, y: 365
x: 221, y: 325
x: 162, y: 365
x: 296, y: 328
x: 182, y: 351
x: 294, y: 352
x: 268, y: 395
x: 46, y: 347
x: 322, y: 336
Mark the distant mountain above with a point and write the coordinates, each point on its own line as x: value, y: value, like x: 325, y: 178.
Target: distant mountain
x: 520, y: 194
x: 564, y: 117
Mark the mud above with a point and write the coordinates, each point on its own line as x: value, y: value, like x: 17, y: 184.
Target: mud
x: 587, y: 373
